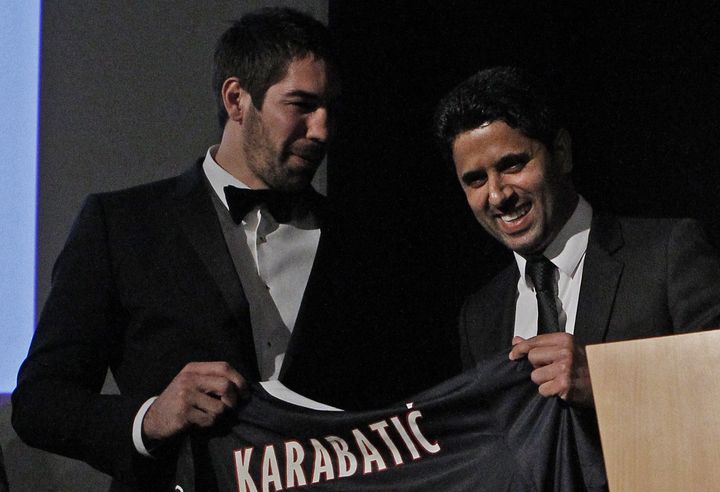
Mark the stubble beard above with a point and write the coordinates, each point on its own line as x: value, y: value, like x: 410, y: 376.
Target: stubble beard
x: 269, y: 164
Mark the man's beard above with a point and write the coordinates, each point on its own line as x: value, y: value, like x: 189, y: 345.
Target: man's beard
x: 270, y: 164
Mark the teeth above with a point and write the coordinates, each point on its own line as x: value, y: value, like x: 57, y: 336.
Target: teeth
x: 515, y: 214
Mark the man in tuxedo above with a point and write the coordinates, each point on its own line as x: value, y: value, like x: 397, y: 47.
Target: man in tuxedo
x: 579, y: 276
x: 188, y: 288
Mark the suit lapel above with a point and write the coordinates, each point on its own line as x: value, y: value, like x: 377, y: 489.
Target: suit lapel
x: 196, y: 216
x: 601, y: 275
x: 306, y: 343
x: 500, y: 311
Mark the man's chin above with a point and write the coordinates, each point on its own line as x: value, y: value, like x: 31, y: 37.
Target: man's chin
x: 295, y: 183
x: 301, y: 164
x: 524, y: 246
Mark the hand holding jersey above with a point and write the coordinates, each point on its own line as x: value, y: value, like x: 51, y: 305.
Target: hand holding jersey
x: 198, y: 395
x: 560, y: 366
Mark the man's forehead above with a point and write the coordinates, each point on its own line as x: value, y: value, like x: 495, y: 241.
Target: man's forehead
x: 310, y: 77
x: 497, y: 135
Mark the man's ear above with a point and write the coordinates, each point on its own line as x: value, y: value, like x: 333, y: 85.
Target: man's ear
x: 235, y: 98
x: 562, y: 151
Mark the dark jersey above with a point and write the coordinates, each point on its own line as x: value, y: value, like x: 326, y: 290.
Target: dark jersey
x: 486, y: 429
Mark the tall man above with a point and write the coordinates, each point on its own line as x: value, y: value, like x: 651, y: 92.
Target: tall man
x: 189, y: 287
x: 579, y: 277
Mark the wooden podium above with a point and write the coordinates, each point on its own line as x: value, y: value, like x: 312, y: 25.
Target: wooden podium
x: 658, y: 407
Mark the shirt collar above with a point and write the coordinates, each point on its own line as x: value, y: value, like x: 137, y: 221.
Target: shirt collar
x: 568, y: 248
x: 218, y: 177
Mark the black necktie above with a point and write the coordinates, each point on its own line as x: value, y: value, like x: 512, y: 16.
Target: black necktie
x: 542, y: 274
x: 242, y: 200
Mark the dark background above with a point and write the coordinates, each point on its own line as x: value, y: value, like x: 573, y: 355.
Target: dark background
x: 640, y: 81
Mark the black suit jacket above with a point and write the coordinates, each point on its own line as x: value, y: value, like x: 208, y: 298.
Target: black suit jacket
x: 144, y: 285
x: 641, y: 278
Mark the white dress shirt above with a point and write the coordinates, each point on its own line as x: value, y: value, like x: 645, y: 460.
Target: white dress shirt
x: 567, y: 253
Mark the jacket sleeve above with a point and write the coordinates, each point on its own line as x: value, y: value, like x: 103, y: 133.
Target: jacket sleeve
x: 57, y: 405
x: 693, y: 278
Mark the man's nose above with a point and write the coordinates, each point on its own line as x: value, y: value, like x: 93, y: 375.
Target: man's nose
x: 498, y: 191
x: 317, y: 125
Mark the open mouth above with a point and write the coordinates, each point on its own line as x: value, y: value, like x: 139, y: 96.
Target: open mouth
x: 516, y: 213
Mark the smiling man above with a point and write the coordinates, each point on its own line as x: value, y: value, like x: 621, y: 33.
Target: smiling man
x: 188, y: 288
x: 579, y: 277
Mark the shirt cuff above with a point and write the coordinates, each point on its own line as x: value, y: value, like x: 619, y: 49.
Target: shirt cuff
x: 137, y: 428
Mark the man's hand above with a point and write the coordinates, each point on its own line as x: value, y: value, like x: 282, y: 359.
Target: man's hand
x: 560, y: 364
x: 198, y: 395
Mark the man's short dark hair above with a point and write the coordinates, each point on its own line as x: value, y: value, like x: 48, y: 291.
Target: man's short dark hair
x: 508, y: 94
x: 258, y: 48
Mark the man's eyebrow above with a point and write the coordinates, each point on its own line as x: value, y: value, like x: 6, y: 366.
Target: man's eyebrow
x: 327, y: 98
x: 302, y: 94
x: 506, y: 161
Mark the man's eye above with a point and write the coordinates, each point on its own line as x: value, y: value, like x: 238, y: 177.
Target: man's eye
x: 514, y: 168
x: 304, y: 105
x: 476, y: 182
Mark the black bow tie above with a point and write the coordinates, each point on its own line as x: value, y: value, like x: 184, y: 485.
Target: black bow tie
x: 242, y: 200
